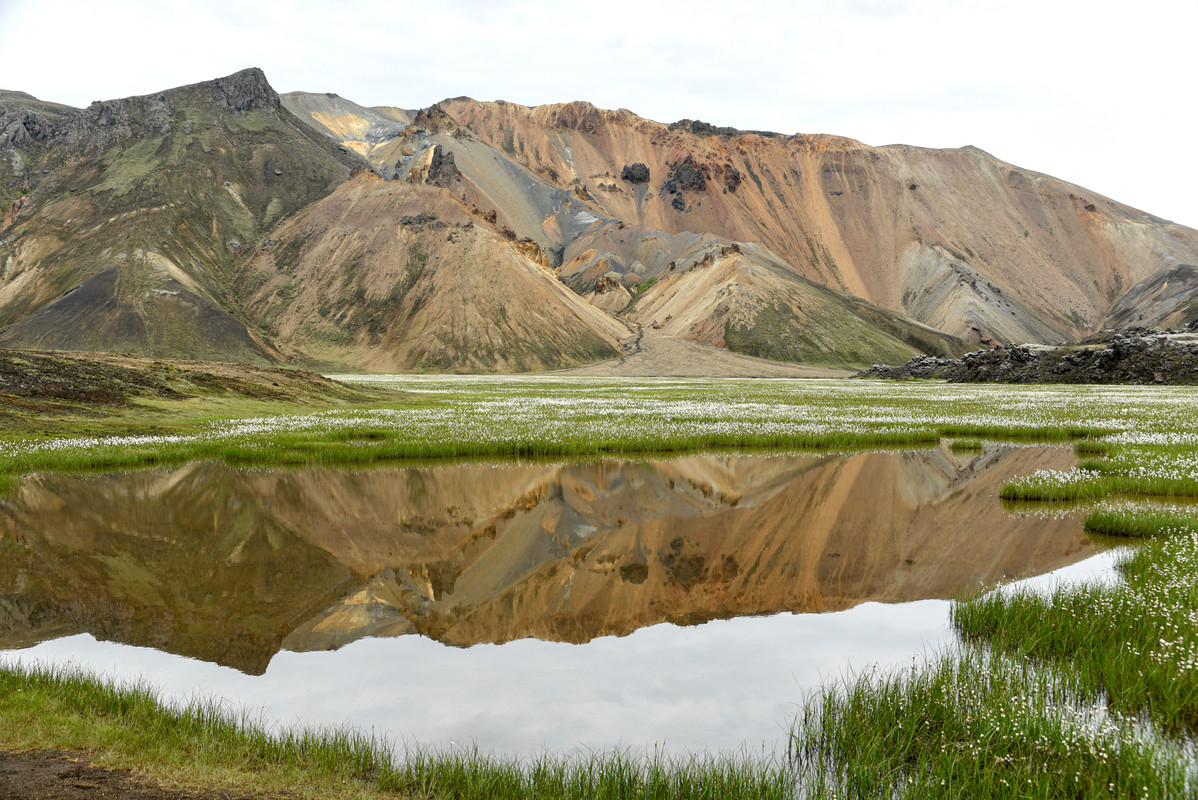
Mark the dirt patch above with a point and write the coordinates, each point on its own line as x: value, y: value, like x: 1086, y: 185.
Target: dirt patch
x: 62, y: 775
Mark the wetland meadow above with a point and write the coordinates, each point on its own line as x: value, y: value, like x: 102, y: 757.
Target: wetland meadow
x: 552, y: 586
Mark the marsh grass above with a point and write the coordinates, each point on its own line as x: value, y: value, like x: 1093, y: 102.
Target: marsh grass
x: 351, y: 446
x: 521, y: 416
x: 207, y: 742
x: 969, y: 727
x: 1143, y: 470
x: 1138, y: 522
x: 1085, y: 691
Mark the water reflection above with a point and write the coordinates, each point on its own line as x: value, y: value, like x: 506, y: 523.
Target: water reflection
x: 230, y: 565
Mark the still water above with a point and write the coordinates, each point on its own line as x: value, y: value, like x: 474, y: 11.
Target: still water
x: 519, y: 607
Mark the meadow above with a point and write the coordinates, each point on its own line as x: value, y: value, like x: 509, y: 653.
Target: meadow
x: 1087, y: 692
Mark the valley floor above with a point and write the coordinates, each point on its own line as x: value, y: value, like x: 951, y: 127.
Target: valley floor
x: 654, y: 354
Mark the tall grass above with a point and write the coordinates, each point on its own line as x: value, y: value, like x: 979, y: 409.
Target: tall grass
x: 973, y: 727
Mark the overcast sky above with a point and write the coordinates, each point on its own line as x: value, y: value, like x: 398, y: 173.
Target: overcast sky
x: 1098, y: 93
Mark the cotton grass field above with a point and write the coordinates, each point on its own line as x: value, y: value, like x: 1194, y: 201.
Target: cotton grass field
x: 1090, y: 691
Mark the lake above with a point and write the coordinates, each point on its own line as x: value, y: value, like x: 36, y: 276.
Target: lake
x: 518, y: 607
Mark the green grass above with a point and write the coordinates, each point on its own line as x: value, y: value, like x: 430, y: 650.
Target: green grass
x: 971, y: 727
x: 1139, y: 523
x: 205, y: 743
x: 1145, y: 470
x: 446, y: 417
x: 1086, y: 691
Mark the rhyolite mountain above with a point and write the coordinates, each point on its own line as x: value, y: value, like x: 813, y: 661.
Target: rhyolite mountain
x: 224, y: 221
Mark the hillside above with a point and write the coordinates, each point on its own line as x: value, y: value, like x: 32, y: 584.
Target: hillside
x: 956, y: 239
x: 226, y: 222
x: 131, y: 239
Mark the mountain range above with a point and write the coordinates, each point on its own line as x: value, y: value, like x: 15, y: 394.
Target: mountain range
x: 224, y: 221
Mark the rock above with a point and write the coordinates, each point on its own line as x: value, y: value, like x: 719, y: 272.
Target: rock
x: 416, y: 220
x: 700, y: 128
x: 731, y: 178
x: 1129, y: 356
x: 635, y: 173
x: 20, y: 128
x: 442, y: 170
x: 690, y: 175
x: 242, y: 92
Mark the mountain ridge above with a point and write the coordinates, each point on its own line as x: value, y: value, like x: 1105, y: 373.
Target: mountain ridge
x: 223, y: 220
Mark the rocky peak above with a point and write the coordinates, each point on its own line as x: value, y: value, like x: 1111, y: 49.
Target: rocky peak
x: 247, y: 90
x: 700, y: 128
x: 107, y: 122
x: 578, y: 116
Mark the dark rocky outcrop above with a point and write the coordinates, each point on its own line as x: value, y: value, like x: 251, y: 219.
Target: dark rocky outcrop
x: 108, y: 122
x: 684, y: 175
x: 442, y: 170
x: 731, y: 178
x: 635, y: 173
x: 1130, y: 356
x: 701, y: 128
x: 689, y: 176
x: 242, y: 92
x: 21, y: 128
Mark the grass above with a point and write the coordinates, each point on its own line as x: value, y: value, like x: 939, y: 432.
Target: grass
x: 1084, y: 691
x: 206, y: 744
x: 972, y: 727
x: 448, y: 417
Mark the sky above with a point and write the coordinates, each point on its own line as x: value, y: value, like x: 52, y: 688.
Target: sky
x: 1097, y: 93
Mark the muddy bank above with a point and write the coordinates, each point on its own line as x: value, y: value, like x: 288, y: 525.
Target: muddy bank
x: 1129, y: 356
x: 63, y: 775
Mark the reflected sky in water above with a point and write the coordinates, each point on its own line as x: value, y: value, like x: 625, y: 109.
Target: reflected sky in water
x: 723, y: 685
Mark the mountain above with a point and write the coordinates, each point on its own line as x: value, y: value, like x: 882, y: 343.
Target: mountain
x: 138, y: 211
x: 955, y: 239
x: 224, y: 221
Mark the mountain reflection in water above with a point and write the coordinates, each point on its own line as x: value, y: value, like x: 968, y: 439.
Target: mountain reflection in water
x: 231, y: 565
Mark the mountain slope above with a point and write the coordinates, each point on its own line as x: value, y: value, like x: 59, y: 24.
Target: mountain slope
x: 956, y: 239
x: 131, y: 239
x: 353, y: 126
x: 418, y: 284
